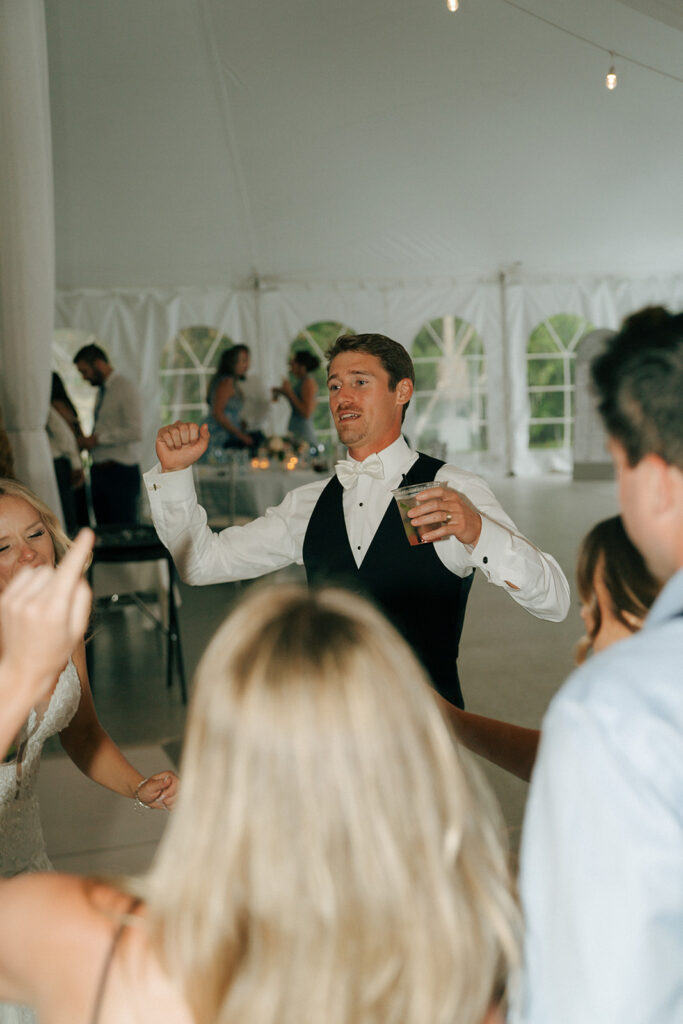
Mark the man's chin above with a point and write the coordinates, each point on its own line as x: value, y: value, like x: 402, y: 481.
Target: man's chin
x: 349, y: 437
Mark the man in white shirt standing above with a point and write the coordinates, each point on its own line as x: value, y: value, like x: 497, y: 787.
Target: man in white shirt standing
x: 115, y: 442
x: 602, y: 844
x: 347, y: 530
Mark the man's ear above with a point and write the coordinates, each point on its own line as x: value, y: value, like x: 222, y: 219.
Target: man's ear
x: 660, y: 482
x: 404, y: 391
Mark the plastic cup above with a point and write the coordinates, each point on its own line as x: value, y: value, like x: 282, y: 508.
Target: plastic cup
x: 406, y: 498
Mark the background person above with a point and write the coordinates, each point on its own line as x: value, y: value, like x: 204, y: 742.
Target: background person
x: 68, y: 466
x: 115, y: 442
x: 311, y: 731
x: 6, y: 456
x: 302, y: 396
x: 59, y: 398
x: 602, y: 843
x: 347, y: 530
x: 226, y: 401
x: 616, y: 590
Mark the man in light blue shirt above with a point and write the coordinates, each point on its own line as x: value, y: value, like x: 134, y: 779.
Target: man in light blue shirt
x: 602, y: 849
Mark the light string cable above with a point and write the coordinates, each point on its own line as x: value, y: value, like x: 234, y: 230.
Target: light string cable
x: 590, y: 42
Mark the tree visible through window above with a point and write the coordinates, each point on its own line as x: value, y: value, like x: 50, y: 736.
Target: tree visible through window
x: 318, y: 338
x: 551, y: 353
x: 450, y: 388
x: 188, y: 362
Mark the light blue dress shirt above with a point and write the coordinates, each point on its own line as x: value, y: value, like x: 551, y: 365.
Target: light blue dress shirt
x: 602, y: 847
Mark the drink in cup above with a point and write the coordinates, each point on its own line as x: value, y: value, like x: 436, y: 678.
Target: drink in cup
x: 406, y: 498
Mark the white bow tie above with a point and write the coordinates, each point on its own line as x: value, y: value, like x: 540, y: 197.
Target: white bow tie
x: 348, y: 470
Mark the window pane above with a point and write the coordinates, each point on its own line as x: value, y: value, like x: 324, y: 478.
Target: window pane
x: 545, y: 404
x: 425, y: 344
x: 546, y: 435
x: 450, y: 387
x: 558, y: 333
x: 426, y: 376
x: 187, y: 364
x: 569, y: 327
x: 542, y: 372
x: 541, y: 340
x: 455, y: 421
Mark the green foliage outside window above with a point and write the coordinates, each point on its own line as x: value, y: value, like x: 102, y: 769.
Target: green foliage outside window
x: 551, y: 350
x: 188, y: 362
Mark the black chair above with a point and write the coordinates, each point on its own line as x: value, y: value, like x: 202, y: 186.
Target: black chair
x: 140, y: 543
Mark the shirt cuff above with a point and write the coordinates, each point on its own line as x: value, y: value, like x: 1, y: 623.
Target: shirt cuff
x: 174, y: 486
x: 491, y: 551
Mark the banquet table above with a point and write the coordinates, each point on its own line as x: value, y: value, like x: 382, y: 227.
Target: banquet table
x: 233, y: 491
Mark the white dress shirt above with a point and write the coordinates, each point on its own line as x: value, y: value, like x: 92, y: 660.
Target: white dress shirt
x: 276, y: 539
x: 118, y: 423
x: 602, y: 845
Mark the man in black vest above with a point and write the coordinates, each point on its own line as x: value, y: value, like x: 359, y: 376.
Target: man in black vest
x: 347, y: 530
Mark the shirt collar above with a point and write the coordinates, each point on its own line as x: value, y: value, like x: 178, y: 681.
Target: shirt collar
x: 397, y: 458
x: 669, y: 601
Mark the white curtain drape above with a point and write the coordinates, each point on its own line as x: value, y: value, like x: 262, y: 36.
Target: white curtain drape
x: 135, y: 325
x: 26, y: 243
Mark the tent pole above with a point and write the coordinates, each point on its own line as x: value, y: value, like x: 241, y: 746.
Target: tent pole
x: 505, y: 342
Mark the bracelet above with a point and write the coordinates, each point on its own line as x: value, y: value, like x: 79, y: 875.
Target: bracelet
x: 138, y: 805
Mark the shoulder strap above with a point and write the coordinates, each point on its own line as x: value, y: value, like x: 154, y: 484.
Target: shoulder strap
x: 104, y: 975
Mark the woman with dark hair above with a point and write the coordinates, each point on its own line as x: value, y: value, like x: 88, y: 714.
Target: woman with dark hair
x: 59, y: 398
x: 225, y: 398
x: 301, y: 395
x: 615, y: 586
x: 6, y: 457
x: 616, y: 590
x: 64, y: 428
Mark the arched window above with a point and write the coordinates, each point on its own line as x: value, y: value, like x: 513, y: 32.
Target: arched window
x: 318, y: 338
x: 450, y: 388
x: 551, y: 352
x: 188, y: 363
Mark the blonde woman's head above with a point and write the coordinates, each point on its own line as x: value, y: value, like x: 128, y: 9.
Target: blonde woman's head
x: 332, y: 856
x: 30, y: 533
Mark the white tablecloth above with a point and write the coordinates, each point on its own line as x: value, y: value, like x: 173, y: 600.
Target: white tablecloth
x: 231, y: 491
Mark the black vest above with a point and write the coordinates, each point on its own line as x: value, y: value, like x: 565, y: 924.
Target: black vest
x: 414, y: 589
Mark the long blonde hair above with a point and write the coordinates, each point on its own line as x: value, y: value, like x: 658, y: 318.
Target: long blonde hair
x: 333, y: 856
x: 13, y: 489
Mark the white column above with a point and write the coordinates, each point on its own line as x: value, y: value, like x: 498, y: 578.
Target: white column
x: 27, y: 260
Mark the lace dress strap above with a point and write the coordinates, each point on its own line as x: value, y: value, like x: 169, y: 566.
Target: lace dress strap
x: 106, y: 966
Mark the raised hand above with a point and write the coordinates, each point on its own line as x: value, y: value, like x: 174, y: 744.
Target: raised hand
x: 180, y: 444
x: 43, y: 616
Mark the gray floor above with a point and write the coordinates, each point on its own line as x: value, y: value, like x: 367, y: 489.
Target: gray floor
x: 511, y: 664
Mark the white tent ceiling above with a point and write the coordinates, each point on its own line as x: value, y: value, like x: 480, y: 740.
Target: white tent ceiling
x: 203, y: 142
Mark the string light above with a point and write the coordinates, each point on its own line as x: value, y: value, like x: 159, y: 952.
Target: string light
x: 597, y: 46
x: 452, y: 5
x: 611, y: 76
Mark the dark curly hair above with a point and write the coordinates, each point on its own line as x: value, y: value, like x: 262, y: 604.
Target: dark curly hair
x: 639, y: 383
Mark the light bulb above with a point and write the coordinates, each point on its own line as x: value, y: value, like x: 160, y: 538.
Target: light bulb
x: 611, y: 76
x: 452, y: 5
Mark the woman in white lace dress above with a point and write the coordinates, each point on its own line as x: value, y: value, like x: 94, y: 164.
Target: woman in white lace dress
x: 30, y: 535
